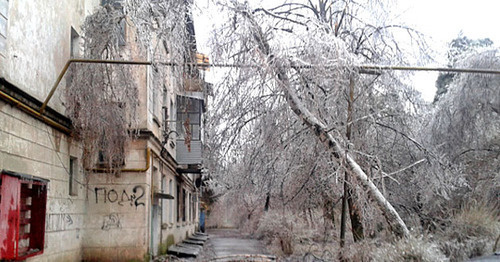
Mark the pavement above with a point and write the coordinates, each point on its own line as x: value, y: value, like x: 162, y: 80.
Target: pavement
x: 224, y: 245
x: 231, y: 245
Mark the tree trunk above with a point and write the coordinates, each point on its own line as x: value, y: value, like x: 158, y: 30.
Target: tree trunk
x: 395, y: 222
x: 343, y: 218
x: 268, y: 200
x: 354, y: 212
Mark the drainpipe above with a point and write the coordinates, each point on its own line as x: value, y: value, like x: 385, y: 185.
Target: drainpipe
x: 151, y: 237
x: 162, y: 202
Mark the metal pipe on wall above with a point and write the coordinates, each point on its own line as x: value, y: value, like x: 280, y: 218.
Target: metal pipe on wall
x: 29, y: 110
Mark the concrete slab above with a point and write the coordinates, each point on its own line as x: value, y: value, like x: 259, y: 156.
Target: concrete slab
x: 194, y: 242
x: 183, y: 251
x: 199, y: 238
x: 191, y: 246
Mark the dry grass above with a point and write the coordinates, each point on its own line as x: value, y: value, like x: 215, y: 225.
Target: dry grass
x: 414, y: 248
x: 475, y: 220
x: 472, y: 232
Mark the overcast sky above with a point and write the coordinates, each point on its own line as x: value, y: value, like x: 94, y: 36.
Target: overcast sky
x: 443, y: 20
x: 440, y: 20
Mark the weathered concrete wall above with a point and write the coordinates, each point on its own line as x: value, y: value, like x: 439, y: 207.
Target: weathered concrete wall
x: 117, y: 212
x: 173, y: 230
x: 110, y: 217
x: 161, y: 94
x: 29, y: 146
x: 38, y: 43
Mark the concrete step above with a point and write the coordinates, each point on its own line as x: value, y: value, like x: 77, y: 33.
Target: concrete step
x: 184, y: 250
x: 191, y: 246
x: 200, y: 234
x: 194, y: 242
x: 199, y: 237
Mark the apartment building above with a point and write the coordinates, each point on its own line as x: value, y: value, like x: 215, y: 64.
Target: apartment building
x: 52, y: 208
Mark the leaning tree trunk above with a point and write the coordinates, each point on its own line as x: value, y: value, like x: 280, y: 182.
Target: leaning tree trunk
x: 320, y: 129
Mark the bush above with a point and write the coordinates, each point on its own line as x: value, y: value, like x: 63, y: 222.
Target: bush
x: 278, y: 229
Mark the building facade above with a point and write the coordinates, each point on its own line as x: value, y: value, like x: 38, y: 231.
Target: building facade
x: 51, y: 208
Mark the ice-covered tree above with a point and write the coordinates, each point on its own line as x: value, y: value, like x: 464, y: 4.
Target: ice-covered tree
x: 302, y: 58
x: 101, y: 99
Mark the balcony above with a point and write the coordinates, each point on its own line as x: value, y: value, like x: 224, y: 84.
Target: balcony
x: 191, y: 155
x: 189, y: 146
x: 193, y: 84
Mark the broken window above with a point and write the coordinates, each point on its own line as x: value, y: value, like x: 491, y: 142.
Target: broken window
x: 23, y: 201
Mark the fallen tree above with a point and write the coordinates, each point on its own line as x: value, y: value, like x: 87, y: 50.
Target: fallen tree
x: 320, y: 129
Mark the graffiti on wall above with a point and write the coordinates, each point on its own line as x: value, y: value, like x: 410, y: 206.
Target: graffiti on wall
x: 58, y: 222
x: 111, y: 221
x: 120, y: 197
x: 61, y: 205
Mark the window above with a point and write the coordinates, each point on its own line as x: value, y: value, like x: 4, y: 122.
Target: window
x: 76, y: 47
x: 194, y: 207
x: 181, y: 204
x: 4, y: 15
x: 184, y: 209
x: 111, y: 153
x: 111, y: 161
x: 172, y: 115
x: 188, y: 117
x: 171, y: 192
x: 73, y: 176
x: 184, y: 196
x: 164, y: 206
x: 23, y: 201
x: 189, y: 206
x: 154, y: 103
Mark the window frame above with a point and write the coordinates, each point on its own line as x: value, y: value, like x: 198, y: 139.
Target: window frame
x: 189, y: 108
x: 26, y: 212
x: 73, y: 176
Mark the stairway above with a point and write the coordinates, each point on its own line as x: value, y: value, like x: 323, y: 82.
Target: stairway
x: 190, y: 247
